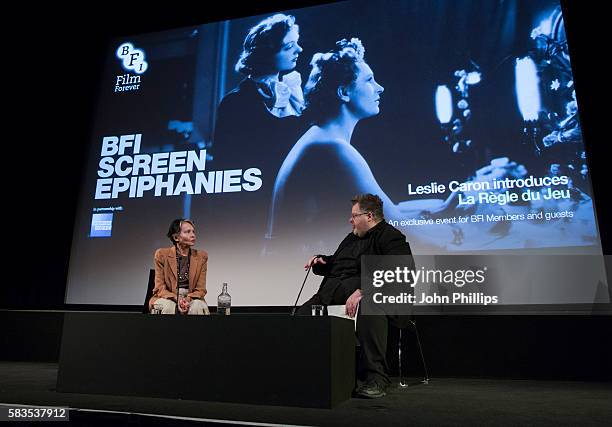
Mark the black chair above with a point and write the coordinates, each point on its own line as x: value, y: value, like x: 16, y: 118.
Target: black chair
x: 150, y: 286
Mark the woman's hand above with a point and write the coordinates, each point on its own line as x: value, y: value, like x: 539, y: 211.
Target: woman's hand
x: 184, y: 304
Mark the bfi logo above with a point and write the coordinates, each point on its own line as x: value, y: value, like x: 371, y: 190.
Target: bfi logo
x: 133, y: 60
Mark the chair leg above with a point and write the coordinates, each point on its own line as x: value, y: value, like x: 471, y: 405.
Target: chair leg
x: 416, y: 331
x: 402, y: 381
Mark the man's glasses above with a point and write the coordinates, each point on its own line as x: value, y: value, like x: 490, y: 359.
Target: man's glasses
x: 353, y: 216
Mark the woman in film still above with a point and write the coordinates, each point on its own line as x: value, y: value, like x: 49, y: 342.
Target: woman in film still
x: 258, y: 122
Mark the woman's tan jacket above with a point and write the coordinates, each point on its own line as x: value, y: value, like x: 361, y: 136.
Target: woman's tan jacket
x: 166, y: 276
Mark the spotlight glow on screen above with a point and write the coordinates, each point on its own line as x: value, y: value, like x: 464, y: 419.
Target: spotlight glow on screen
x: 444, y: 104
x: 527, y: 88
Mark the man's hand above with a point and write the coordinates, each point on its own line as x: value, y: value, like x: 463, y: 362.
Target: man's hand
x: 352, y: 302
x: 314, y: 260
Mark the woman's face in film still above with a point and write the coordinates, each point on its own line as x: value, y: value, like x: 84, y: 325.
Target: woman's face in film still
x: 286, y: 58
x: 364, y: 93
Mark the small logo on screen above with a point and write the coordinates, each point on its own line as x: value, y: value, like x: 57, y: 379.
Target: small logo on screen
x: 133, y: 61
x: 101, y: 225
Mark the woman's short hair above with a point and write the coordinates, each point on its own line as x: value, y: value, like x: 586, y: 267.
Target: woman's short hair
x: 330, y: 71
x: 175, y: 228
x: 262, y: 42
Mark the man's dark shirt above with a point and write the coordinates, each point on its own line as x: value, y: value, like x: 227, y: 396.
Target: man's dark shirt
x: 343, y: 269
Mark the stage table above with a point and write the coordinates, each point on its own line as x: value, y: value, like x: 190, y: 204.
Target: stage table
x: 244, y: 358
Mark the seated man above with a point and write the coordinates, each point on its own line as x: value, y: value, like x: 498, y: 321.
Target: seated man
x: 371, y: 235
x: 180, y: 271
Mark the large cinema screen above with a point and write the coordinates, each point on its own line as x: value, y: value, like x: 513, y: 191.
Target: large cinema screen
x: 462, y: 116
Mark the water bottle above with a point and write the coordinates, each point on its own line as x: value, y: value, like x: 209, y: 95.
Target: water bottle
x: 224, y: 302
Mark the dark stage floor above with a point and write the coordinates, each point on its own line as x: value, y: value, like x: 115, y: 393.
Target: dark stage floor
x: 444, y: 401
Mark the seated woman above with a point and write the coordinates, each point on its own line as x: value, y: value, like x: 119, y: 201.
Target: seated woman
x: 181, y: 270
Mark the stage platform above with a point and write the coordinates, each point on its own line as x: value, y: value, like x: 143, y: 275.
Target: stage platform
x: 444, y: 401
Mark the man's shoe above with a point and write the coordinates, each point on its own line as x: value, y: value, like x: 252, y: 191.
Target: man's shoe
x: 371, y: 390
x: 358, y: 387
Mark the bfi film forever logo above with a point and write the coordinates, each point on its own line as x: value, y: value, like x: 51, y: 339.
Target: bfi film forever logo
x: 133, y: 60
